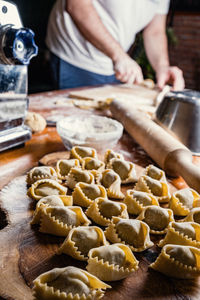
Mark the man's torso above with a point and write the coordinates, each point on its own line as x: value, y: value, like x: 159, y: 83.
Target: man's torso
x: 123, y: 19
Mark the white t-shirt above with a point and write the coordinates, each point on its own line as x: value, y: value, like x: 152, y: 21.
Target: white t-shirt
x: 122, y: 18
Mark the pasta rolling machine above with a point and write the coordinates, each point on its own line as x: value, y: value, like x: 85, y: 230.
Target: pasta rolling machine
x: 17, y: 47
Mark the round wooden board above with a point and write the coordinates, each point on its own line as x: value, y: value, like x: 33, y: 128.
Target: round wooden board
x: 25, y: 253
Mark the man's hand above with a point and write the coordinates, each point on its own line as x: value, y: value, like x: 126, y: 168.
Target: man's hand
x: 127, y: 70
x: 170, y: 75
x: 155, y: 42
x: 84, y: 15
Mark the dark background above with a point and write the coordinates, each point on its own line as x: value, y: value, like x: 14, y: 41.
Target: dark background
x: 186, y: 5
x: 34, y: 14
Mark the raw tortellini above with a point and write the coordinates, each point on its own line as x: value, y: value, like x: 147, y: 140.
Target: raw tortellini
x: 111, y: 154
x: 183, y: 201
x: 182, y: 233
x: 137, y: 200
x: 112, y: 262
x: 153, y: 186
x: 60, y: 220
x: 84, y: 194
x: 46, y: 187
x: 112, y: 182
x: 157, y: 218
x: 64, y: 166
x: 42, y: 172
x: 178, y: 261
x: 133, y: 233
x: 68, y: 283
x: 53, y: 200
x: 155, y: 173
x: 82, y: 152
x: 80, y: 240
x: 125, y: 169
x: 102, y: 210
x: 93, y: 182
x: 78, y: 175
x: 193, y: 216
x: 90, y: 163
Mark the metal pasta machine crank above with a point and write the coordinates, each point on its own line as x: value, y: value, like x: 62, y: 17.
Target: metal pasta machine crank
x: 17, y: 47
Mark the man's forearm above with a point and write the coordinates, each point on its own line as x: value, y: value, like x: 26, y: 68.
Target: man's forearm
x: 90, y: 25
x: 92, y: 28
x: 155, y: 42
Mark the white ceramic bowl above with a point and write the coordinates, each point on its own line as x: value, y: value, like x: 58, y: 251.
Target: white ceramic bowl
x: 91, y: 131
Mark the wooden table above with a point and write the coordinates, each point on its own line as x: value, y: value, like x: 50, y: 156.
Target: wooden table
x: 18, y: 262
x: 17, y: 161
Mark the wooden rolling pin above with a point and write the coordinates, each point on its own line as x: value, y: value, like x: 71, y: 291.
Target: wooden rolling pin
x: 171, y: 155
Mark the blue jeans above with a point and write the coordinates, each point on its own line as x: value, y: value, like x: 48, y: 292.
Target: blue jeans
x: 65, y: 75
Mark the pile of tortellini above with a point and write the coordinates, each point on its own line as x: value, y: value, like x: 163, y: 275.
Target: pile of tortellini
x: 81, y: 200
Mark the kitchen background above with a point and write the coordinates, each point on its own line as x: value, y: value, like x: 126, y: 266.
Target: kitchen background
x: 183, y: 33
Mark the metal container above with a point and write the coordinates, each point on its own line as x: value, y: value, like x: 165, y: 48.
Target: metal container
x: 179, y: 114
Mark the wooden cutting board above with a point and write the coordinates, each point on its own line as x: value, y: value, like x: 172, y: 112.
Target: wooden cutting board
x: 25, y: 253
x: 138, y: 95
x: 134, y: 92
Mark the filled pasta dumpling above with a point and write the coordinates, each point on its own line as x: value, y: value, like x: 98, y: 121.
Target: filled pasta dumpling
x: 193, y: 216
x: 112, y: 182
x: 131, y: 232
x: 183, y: 201
x: 84, y: 194
x: 90, y: 163
x: 137, y: 200
x: 182, y: 233
x: 46, y: 187
x: 68, y: 283
x: 60, y: 220
x: 157, y: 218
x: 125, y: 169
x: 64, y: 166
x: 155, y: 173
x: 80, y: 152
x: 78, y: 175
x: 81, y: 239
x: 153, y: 186
x: 178, y: 261
x: 102, y: 210
x: 54, y: 200
x: 111, y: 262
x: 42, y: 172
x: 111, y: 154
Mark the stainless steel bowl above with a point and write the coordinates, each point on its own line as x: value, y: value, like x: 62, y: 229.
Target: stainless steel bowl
x: 179, y: 114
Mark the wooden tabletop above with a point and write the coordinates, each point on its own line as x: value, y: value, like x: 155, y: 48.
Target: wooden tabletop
x: 17, y: 161
x: 14, y: 164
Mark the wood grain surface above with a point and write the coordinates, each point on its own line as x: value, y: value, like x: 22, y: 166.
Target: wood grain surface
x: 133, y: 92
x: 25, y: 253
x: 168, y: 152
